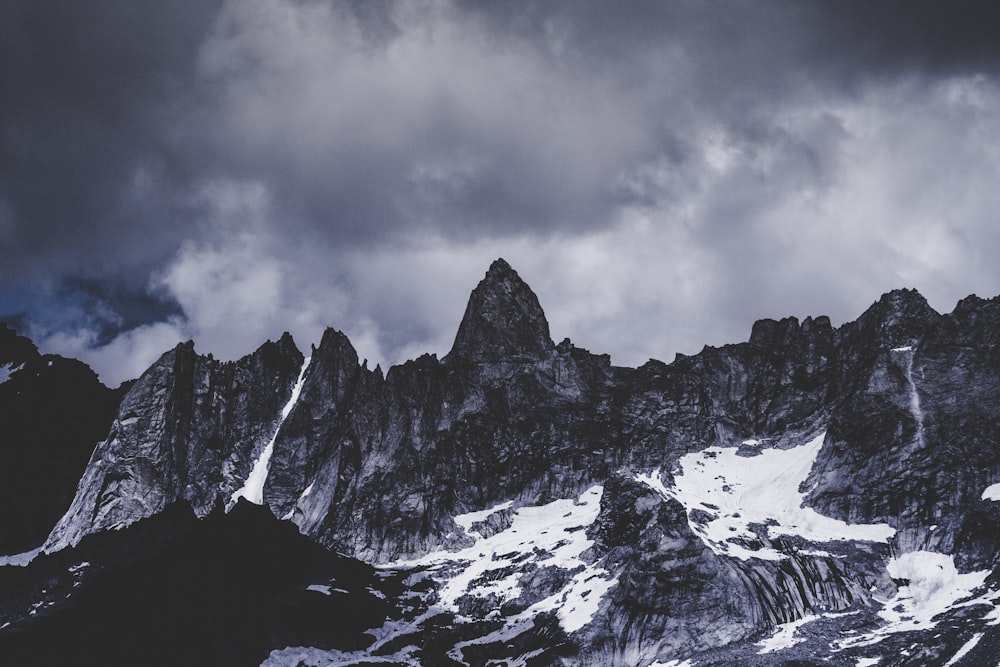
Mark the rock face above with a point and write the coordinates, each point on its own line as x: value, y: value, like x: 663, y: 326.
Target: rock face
x: 917, y: 442
x: 464, y: 453
x: 503, y: 321
x: 189, y: 429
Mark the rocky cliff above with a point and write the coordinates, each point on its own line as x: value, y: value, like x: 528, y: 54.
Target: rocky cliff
x: 552, y: 507
x: 189, y: 429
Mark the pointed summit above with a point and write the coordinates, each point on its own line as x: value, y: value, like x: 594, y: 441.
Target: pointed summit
x: 898, y: 318
x: 503, y: 321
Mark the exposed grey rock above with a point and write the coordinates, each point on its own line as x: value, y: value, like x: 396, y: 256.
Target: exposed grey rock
x: 914, y: 444
x: 378, y: 465
x: 676, y: 598
x: 503, y: 321
x: 189, y: 429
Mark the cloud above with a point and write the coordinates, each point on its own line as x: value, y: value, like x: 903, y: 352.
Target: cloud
x: 661, y: 173
x: 125, y: 357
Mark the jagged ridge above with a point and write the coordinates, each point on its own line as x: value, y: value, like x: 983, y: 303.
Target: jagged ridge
x: 377, y: 466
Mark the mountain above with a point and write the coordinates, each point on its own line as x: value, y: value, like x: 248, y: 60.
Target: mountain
x: 53, y: 411
x: 173, y: 590
x: 815, y: 495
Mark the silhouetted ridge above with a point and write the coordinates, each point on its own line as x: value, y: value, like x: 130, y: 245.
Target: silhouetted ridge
x: 15, y: 349
x: 52, y: 413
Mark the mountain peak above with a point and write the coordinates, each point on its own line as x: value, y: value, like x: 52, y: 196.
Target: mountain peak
x: 899, y: 317
x: 503, y: 320
x: 500, y: 268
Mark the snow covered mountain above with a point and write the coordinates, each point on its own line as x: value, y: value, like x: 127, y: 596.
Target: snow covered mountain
x: 812, y: 496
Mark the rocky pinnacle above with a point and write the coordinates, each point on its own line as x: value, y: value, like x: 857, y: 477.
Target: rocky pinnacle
x: 503, y: 321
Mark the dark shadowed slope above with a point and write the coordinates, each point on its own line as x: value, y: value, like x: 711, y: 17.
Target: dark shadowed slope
x: 53, y: 412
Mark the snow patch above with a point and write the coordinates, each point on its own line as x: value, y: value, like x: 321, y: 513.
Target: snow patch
x: 253, y: 487
x: 735, y: 491
x: 992, y: 492
x: 784, y: 636
x: 577, y: 603
x: 325, y: 589
x: 966, y: 647
x: 552, y: 535
x: 905, y: 348
x: 935, y: 586
x: 7, y: 370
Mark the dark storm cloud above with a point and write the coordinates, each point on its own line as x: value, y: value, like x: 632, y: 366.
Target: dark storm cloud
x: 104, y: 308
x: 758, y: 45
x: 87, y: 166
x: 926, y: 36
x: 167, y: 168
x: 108, y: 122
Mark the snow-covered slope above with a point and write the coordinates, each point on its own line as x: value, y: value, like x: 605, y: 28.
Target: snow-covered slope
x: 727, y: 491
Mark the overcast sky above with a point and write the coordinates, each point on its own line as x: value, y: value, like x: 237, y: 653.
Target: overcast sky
x: 661, y: 173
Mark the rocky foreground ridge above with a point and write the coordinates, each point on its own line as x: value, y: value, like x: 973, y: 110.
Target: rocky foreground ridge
x: 544, y: 507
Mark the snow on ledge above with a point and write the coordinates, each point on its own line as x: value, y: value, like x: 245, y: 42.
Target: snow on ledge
x: 933, y: 587
x: 784, y: 636
x: 968, y: 646
x: 736, y: 491
x: 992, y: 492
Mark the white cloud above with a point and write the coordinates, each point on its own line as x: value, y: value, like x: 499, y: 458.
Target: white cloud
x: 125, y: 357
x: 229, y: 294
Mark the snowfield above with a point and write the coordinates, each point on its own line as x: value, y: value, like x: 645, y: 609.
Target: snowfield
x: 491, y: 570
x: 552, y: 535
x: 737, y: 491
